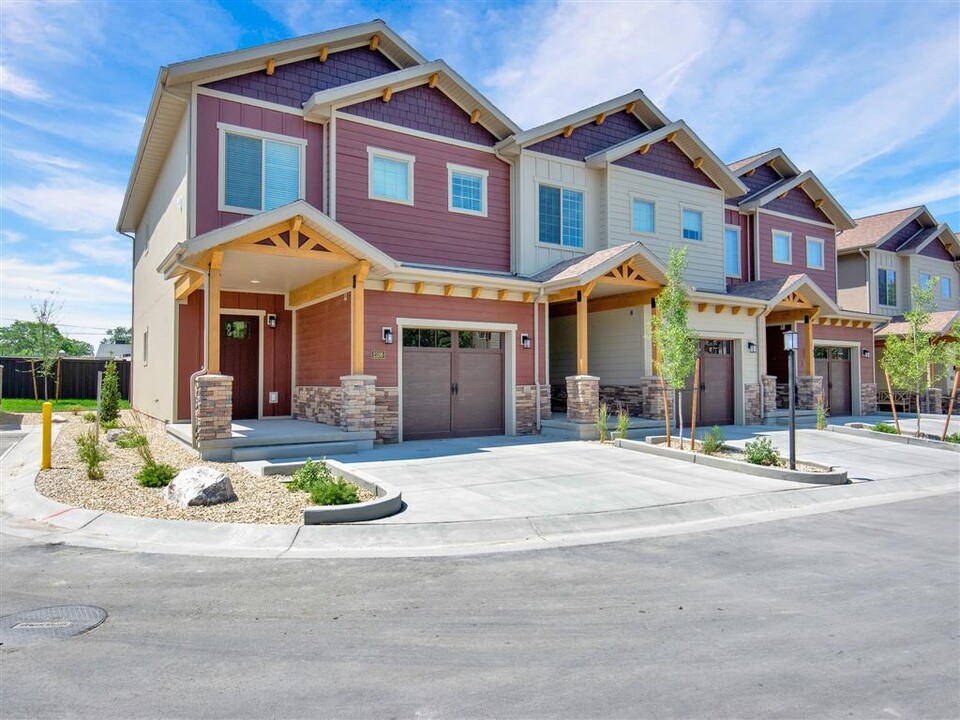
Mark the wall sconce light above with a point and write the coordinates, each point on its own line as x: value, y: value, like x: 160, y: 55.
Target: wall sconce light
x: 388, y: 335
x: 790, y: 341
x: 865, y: 352
x: 271, y: 320
x: 525, y: 341
x: 751, y: 347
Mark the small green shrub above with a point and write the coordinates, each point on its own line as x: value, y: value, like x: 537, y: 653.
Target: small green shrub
x: 623, y: 422
x: 602, y: 413
x: 953, y: 438
x: 132, y: 439
x: 713, y: 441
x: 324, y: 487
x: 883, y: 427
x: 89, y: 416
x: 314, y: 472
x: 110, y: 424
x: 822, y: 416
x: 156, y: 475
x: 110, y: 393
x: 91, y: 454
x: 762, y: 452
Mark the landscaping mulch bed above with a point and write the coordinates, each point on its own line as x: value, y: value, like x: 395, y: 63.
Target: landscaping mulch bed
x: 733, y: 453
x: 260, y: 499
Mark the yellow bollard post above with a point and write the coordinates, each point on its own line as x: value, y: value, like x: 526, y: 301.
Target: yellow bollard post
x: 45, y: 463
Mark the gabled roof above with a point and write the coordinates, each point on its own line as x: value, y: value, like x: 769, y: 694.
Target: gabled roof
x: 776, y: 158
x: 941, y: 233
x: 642, y: 107
x: 940, y: 323
x: 874, y: 230
x: 586, y: 268
x: 688, y: 142
x: 776, y: 290
x: 172, y: 91
x: 321, y: 104
x: 811, y: 185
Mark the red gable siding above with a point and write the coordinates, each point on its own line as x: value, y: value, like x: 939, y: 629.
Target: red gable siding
x: 666, y: 159
x: 761, y: 178
x: 901, y: 236
x: 590, y: 138
x: 826, y: 278
x: 210, y: 111
x: 798, y: 204
x: 935, y: 249
x: 426, y: 232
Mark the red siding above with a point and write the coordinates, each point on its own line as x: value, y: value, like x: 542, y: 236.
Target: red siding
x: 862, y: 335
x: 210, y: 111
x: 826, y: 278
x: 799, y: 204
x: 276, y: 347
x: 935, y: 249
x: 733, y: 217
x: 383, y: 309
x: 426, y: 232
x: 323, y: 342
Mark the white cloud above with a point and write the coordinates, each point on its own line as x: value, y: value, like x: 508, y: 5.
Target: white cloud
x: 944, y: 187
x: 66, y: 201
x: 109, y: 250
x: 37, y: 158
x: 22, y: 87
x: 10, y: 237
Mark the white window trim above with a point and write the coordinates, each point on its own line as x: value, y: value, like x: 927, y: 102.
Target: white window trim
x: 475, y: 172
x: 656, y: 211
x: 949, y: 283
x: 823, y: 252
x: 773, y: 247
x: 736, y: 228
x: 703, y: 230
x: 375, y: 152
x: 572, y: 188
x: 145, y: 349
x: 225, y: 128
x: 896, y: 291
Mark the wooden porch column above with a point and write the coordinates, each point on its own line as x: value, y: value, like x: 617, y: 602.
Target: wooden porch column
x: 582, y: 324
x: 808, y: 364
x: 356, y: 319
x: 213, y: 314
x: 655, y: 312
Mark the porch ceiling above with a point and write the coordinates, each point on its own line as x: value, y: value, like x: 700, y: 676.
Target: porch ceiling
x: 274, y: 273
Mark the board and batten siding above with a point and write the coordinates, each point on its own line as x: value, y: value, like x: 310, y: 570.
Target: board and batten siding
x: 826, y: 279
x: 536, y: 169
x: 880, y: 259
x: 704, y: 257
x: 426, y: 232
x: 210, y: 111
x: 936, y: 268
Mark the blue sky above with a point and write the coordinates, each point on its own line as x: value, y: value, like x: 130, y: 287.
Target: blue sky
x: 865, y: 94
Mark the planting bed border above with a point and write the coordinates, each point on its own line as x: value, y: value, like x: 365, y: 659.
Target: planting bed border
x: 654, y: 446
x: 863, y: 430
x: 387, y: 502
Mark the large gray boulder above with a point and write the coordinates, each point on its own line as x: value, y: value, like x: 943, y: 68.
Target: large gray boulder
x: 199, y: 486
x: 116, y: 433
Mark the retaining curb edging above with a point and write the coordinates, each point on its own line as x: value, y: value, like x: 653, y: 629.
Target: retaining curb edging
x: 863, y: 430
x: 388, y: 501
x: 834, y: 476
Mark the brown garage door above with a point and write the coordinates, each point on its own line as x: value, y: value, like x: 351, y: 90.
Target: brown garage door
x: 452, y: 384
x: 715, y: 404
x: 833, y: 365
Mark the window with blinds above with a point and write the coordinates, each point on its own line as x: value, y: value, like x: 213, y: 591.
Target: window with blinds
x: 260, y: 174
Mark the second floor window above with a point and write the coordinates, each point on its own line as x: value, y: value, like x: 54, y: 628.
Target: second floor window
x: 644, y: 216
x: 390, y: 176
x: 731, y: 252
x: 692, y: 225
x: 815, y: 253
x: 260, y: 173
x: 946, y: 291
x: 468, y: 190
x: 781, y: 247
x: 924, y: 281
x: 887, y: 287
x: 560, y: 216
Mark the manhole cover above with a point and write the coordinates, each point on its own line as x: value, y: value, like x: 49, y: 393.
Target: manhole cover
x: 51, y: 623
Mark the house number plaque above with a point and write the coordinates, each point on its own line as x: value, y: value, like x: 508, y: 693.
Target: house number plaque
x: 377, y: 354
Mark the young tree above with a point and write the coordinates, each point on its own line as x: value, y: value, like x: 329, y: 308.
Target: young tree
x: 951, y: 351
x: 676, y: 342
x: 913, y: 361
x: 110, y: 393
x: 48, y: 347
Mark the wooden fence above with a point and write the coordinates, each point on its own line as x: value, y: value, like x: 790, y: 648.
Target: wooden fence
x: 73, y: 378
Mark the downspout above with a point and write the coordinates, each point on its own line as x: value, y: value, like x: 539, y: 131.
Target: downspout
x: 514, y: 204
x: 756, y: 244
x: 536, y: 353
x: 206, y: 342
x: 761, y: 356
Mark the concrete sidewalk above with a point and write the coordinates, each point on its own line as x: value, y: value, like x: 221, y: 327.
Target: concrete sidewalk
x: 493, y: 495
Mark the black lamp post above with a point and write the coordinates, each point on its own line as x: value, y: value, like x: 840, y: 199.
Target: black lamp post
x: 790, y: 342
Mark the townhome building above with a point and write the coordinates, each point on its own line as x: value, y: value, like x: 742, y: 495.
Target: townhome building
x: 334, y: 228
x: 883, y: 257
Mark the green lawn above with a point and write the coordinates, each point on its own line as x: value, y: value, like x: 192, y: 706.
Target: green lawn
x: 26, y: 405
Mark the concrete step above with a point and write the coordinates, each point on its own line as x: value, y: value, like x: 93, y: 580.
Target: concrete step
x: 315, y: 450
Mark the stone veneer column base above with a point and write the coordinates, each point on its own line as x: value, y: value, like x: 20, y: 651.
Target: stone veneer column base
x: 653, y: 398
x: 358, y: 403
x: 751, y: 404
x: 769, y: 394
x: 526, y: 403
x: 546, y: 410
x: 809, y: 392
x: 583, y: 398
x: 934, y: 401
x: 387, y: 414
x: 213, y: 408
x: 319, y: 403
x: 628, y: 397
x: 868, y: 398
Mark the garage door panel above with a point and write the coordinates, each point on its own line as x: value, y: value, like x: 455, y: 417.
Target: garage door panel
x: 478, y: 403
x: 427, y: 376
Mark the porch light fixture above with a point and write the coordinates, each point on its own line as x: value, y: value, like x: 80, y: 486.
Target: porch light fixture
x: 271, y: 320
x: 865, y: 352
x: 387, y: 335
x: 791, y: 341
x: 254, y: 282
x: 751, y: 347
x: 525, y: 341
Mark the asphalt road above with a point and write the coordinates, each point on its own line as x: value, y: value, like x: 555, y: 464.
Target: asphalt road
x: 849, y: 614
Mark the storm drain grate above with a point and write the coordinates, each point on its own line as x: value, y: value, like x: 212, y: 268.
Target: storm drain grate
x: 52, y: 623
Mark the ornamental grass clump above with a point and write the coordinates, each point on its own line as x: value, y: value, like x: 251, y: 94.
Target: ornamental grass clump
x: 822, y: 416
x: 602, y: 414
x: 623, y: 422
x: 92, y: 454
x: 762, y: 452
x: 324, y: 487
x: 153, y: 474
x: 713, y: 441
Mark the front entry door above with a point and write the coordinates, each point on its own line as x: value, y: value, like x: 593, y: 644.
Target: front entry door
x: 715, y: 404
x: 240, y: 358
x: 833, y: 365
x: 452, y: 384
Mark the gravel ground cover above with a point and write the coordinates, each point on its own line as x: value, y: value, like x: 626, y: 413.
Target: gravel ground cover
x: 260, y: 499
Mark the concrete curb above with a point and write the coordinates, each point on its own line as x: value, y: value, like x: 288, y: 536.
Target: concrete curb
x: 863, y: 430
x: 388, y: 501
x: 831, y: 476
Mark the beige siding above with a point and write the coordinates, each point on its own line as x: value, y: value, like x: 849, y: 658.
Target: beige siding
x: 853, y: 283
x: 616, y: 346
x: 880, y: 259
x: 705, y: 257
x: 163, y: 225
x: 937, y: 268
x: 726, y: 326
x: 534, y: 169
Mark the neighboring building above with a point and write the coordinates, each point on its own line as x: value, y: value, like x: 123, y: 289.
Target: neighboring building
x: 334, y: 228
x: 779, y: 241
x: 885, y: 255
x: 117, y: 351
